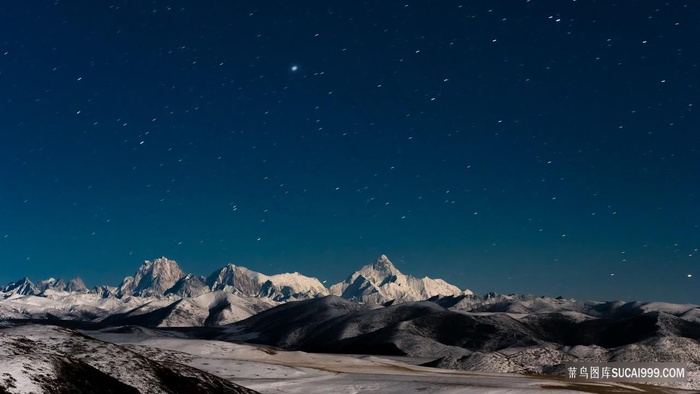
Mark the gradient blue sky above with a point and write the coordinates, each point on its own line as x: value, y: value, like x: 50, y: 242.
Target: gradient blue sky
x: 546, y: 147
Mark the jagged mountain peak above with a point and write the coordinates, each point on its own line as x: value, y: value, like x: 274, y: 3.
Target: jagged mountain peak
x: 280, y: 287
x: 23, y: 286
x: 384, y: 265
x: 159, y: 265
x: 224, y: 278
x: 153, y: 278
x: 76, y: 285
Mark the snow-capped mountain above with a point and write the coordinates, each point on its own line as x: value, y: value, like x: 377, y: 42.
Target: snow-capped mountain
x: 381, y: 282
x: 378, y: 282
x: 189, y: 286
x: 231, y: 278
x: 159, y: 292
x: 75, y: 285
x: 288, y: 286
x: 104, y: 290
x: 151, y: 279
x: 280, y: 287
x: 22, y: 287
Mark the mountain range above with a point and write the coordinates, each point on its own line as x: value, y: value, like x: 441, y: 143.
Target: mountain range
x: 161, y: 294
x: 376, y: 310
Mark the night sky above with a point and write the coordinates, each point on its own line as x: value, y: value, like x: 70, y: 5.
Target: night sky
x: 544, y: 147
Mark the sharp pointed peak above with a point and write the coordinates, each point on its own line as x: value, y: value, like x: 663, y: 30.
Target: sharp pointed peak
x: 163, y: 260
x: 383, y: 262
x: 158, y: 263
x: 77, y: 279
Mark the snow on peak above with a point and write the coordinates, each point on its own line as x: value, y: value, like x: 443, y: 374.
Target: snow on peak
x: 23, y: 287
x: 153, y: 278
x: 381, y: 281
x: 280, y: 287
x: 189, y: 286
x: 222, y: 278
x: 160, y: 278
x: 384, y: 266
x: 76, y: 285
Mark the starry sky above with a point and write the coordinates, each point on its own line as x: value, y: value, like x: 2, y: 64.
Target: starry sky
x: 544, y: 147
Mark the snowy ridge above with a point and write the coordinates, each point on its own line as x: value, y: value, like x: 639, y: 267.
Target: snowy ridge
x: 47, y: 359
x: 286, y: 286
x: 209, y: 309
x: 75, y: 285
x: 280, y: 287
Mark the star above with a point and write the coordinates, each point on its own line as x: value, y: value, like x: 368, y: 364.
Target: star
x: 294, y: 67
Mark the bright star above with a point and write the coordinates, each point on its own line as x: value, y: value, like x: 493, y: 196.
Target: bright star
x: 295, y: 67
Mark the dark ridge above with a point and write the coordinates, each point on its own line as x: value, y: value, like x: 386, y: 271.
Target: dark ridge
x: 211, y: 332
x: 629, y: 331
x: 77, y: 377
x: 370, y: 324
x: 73, y: 324
x: 215, y: 311
x: 688, y: 329
x: 608, y: 333
x: 613, y: 309
x: 177, y: 383
x: 433, y: 364
x: 475, y: 332
x: 327, y: 326
x: 447, y: 302
x: 379, y: 342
